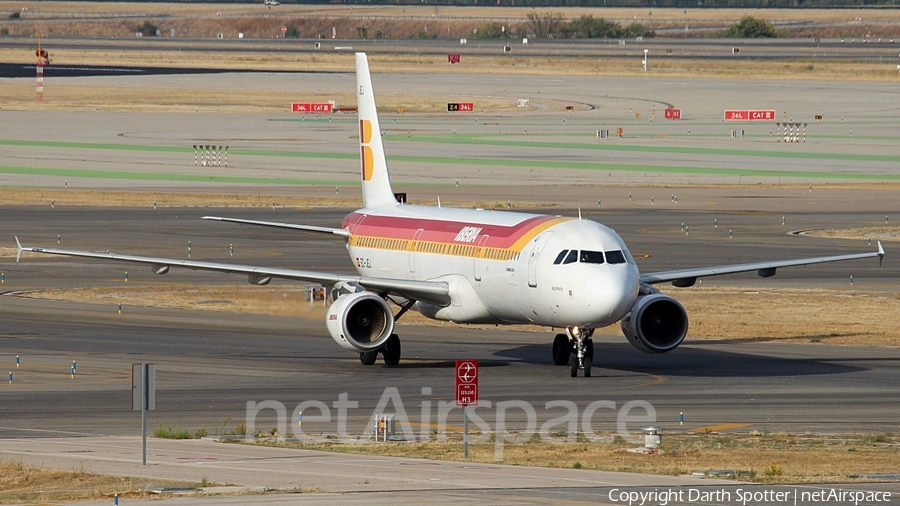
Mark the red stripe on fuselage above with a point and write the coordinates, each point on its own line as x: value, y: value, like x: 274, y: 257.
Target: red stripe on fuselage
x: 391, y: 227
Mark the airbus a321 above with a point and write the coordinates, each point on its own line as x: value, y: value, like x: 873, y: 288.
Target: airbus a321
x: 474, y: 266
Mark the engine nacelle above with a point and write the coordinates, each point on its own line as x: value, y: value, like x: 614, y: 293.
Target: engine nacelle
x: 656, y: 323
x: 360, y: 321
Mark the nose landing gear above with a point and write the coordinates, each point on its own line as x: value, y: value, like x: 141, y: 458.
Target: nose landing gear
x: 577, y: 342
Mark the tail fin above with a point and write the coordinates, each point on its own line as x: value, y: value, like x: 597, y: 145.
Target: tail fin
x: 376, y: 183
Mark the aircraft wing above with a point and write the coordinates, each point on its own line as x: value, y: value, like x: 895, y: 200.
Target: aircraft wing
x: 340, y: 232
x: 435, y: 292
x: 687, y: 277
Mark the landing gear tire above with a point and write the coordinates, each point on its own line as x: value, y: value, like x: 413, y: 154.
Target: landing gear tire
x: 368, y: 357
x: 562, y: 349
x: 391, y: 350
x: 589, y: 348
x: 573, y: 366
x: 587, y: 367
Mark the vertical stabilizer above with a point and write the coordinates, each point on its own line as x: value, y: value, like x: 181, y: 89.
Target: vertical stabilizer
x: 376, y: 184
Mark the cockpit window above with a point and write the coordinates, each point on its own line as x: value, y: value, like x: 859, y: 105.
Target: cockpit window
x: 572, y: 257
x: 615, y: 257
x: 559, y: 258
x: 591, y: 257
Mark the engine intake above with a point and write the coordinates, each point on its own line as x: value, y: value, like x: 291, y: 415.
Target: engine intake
x: 656, y: 323
x: 360, y: 321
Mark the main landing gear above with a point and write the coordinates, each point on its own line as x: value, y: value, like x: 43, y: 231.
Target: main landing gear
x: 575, y: 348
x: 390, y: 352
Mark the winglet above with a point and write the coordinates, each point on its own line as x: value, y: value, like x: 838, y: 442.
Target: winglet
x: 19, y: 249
x: 880, y: 254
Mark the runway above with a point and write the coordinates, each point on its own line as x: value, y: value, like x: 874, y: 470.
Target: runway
x: 211, y: 364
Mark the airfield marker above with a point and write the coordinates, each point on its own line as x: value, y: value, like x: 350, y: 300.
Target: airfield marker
x: 851, y: 280
x: 10, y: 377
x: 716, y: 223
x: 782, y: 221
x: 189, y: 249
x: 126, y: 276
x: 885, y: 219
x: 52, y: 204
x: 120, y: 308
x: 58, y: 239
x: 629, y: 198
x: 681, y: 418
x: 17, y: 361
x: 651, y: 201
x: 154, y: 204
x: 730, y: 234
x: 231, y: 250
x: 2, y: 277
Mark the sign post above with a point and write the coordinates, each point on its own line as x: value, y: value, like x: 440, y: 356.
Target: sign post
x: 466, y: 394
x: 143, y: 398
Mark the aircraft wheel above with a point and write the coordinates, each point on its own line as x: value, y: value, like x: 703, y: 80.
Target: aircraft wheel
x: 391, y: 350
x: 589, y: 348
x: 587, y: 367
x: 573, y: 366
x: 368, y: 357
x: 562, y: 349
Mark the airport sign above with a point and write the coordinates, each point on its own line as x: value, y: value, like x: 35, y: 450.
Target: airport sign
x: 460, y: 106
x: 749, y: 115
x: 466, y: 382
x: 313, y: 108
x: 673, y: 113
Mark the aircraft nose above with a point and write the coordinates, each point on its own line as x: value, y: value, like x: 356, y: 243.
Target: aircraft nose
x: 611, y: 294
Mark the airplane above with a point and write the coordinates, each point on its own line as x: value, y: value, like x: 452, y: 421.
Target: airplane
x: 475, y: 266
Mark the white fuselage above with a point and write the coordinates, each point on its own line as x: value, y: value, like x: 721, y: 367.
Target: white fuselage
x: 502, y: 267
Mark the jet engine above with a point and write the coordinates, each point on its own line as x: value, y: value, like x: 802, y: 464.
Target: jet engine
x: 360, y: 321
x: 656, y: 323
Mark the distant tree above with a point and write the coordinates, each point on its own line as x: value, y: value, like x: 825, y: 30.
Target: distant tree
x: 748, y: 28
x: 587, y: 27
x: 638, y: 30
x: 148, y: 29
x: 292, y: 32
x: 15, y: 15
x: 491, y: 31
x: 544, y: 24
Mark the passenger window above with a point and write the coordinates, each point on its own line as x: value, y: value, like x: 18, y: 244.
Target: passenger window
x: 615, y: 257
x: 591, y: 257
x: 559, y: 258
x: 572, y: 258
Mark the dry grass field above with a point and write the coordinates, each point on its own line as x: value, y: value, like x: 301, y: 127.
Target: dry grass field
x: 256, y: 21
x: 21, y: 483
x: 762, y: 457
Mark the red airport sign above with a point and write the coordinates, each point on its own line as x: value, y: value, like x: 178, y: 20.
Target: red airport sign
x: 673, y: 113
x: 314, y: 108
x: 745, y: 115
x: 466, y: 382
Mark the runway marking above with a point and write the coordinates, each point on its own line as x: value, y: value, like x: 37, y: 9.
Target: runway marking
x: 723, y: 426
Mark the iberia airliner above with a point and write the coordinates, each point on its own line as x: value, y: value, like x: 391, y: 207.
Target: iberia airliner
x: 473, y: 266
